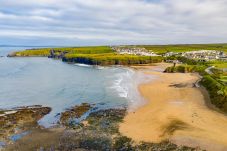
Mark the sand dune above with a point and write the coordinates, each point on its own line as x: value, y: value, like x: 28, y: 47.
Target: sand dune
x: 176, y: 111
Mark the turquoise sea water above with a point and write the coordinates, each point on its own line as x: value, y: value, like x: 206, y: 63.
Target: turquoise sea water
x: 53, y: 83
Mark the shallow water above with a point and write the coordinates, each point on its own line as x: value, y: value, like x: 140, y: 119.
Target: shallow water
x: 18, y: 136
x: 53, y: 83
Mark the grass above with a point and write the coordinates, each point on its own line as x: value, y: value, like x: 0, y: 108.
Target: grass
x: 220, y: 65
x: 187, y: 69
x: 94, y: 55
x: 216, y: 83
x: 217, y: 90
x: 73, y: 50
x: 104, y: 55
x: 160, y: 49
x: 223, y: 79
x: 110, y: 59
x: 184, y: 47
x: 87, y: 50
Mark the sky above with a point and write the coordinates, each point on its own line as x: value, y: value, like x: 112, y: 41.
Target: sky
x: 112, y: 22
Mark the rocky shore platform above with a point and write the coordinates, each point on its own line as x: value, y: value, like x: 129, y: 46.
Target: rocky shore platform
x: 16, y: 122
x: 98, y: 130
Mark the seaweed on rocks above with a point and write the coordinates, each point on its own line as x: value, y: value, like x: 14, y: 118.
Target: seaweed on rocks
x: 20, y: 119
x: 106, y: 120
x: 99, y: 131
x: 74, y: 113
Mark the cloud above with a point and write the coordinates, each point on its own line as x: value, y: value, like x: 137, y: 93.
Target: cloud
x: 114, y: 21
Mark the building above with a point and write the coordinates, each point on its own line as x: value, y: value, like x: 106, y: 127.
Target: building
x: 134, y: 51
x: 169, y: 54
x: 206, y: 55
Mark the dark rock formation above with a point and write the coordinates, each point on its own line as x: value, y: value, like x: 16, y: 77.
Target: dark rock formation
x: 19, y: 118
x: 57, y: 54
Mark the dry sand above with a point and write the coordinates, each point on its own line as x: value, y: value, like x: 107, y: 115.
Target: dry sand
x: 177, y: 113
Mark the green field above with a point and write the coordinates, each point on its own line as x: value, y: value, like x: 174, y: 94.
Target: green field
x: 105, y: 55
x: 220, y: 65
x: 223, y: 79
x: 183, y: 48
x: 160, y: 49
x: 217, y: 64
x: 74, y: 50
x: 96, y: 55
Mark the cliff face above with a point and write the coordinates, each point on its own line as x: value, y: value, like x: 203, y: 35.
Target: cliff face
x: 98, y: 55
x: 80, y: 60
x: 110, y: 59
x: 92, y: 59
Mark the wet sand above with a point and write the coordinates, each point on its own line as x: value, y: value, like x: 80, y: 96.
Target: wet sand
x: 176, y: 111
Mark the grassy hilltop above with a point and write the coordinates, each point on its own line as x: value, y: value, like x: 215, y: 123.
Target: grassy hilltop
x: 104, y: 55
x: 160, y: 49
x: 95, y: 55
x: 73, y: 50
x: 184, y: 47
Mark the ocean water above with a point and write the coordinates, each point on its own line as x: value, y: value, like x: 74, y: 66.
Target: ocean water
x: 59, y: 85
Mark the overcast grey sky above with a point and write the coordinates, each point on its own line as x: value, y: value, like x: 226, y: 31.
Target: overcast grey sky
x: 107, y: 22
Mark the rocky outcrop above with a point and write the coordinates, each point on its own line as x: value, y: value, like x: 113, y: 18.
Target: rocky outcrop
x: 20, y: 118
x: 74, y: 113
x: 57, y: 54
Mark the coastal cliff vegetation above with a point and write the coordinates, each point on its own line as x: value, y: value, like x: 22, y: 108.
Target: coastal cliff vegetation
x: 110, y: 59
x: 31, y: 53
x: 74, y: 50
x: 97, y: 55
x: 186, y: 69
x: 217, y: 91
x: 159, y: 49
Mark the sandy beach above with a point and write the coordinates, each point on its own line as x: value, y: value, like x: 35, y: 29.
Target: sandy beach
x: 176, y: 111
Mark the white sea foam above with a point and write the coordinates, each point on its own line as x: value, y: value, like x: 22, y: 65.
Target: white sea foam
x: 126, y: 85
x: 82, y: 65
x: 90, y: 66
x: 100, y: 67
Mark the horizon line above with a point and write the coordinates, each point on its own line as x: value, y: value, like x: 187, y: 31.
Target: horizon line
x: 8, y: 45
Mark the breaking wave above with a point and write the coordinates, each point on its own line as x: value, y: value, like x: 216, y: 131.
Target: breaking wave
x: 126, y: 85
x: 82, y: 65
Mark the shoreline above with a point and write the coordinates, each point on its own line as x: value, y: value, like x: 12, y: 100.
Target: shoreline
x: 75, y: 131
x: 181, y: 114
x: 130, y: 83
x: 99, y: 131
